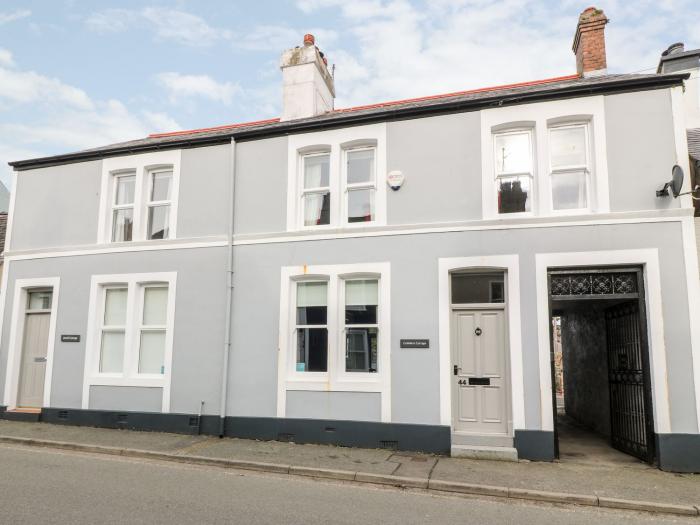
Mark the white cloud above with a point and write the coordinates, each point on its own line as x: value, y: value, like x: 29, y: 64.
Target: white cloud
x: 12, y: 16
x: 6, y: 58
x: 276, y: 38
x: 167, y: 24
x: 396, y: 49
x: 30, y: 87
x: 181, y: 86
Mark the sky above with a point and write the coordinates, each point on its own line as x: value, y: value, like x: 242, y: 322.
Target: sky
x: 76, y: 74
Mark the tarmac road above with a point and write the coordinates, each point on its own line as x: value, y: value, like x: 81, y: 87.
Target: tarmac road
x: 49, y: 486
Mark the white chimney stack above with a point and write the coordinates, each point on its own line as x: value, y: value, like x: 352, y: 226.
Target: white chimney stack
x: 307, y: 84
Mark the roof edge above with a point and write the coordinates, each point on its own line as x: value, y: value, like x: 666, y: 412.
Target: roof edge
x: 353, y: 119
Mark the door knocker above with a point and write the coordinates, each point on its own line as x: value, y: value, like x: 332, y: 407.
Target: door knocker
x: 477, y: 331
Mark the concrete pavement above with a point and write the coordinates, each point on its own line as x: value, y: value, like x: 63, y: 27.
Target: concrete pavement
x: 40, y: 485
x: 637, y: 482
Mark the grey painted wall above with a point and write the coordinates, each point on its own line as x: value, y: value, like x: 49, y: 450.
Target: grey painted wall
x: 261, y: 186
x: 441, y: 160
x: 584, y: 347
x: 135, y: 399
x: 56, y: 206
x: 352, y: 406
x: 641, y: 150
x: 199, y: 319
x: 414, y: 308
x: 204, y: 190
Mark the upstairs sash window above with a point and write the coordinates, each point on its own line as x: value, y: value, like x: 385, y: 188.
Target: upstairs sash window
x: 570, y: 166
x: 514, y: 171
x: 316, y: 193
x: 123, y: 207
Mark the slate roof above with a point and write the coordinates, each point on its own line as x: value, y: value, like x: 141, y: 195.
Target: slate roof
x: 561, y: 87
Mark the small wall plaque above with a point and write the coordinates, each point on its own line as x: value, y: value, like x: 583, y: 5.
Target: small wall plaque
x: 66, y: 338
x: 415, y: 343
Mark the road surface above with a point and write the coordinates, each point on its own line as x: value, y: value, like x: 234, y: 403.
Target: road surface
x: 50, y: 486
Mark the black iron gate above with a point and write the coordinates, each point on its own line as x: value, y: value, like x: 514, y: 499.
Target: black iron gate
x: 632, y: 426
x: 628, y: 406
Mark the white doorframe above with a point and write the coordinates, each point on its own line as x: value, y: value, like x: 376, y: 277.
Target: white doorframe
x: 510, y: 264
x: 649, y: 260
x: 14, y: 356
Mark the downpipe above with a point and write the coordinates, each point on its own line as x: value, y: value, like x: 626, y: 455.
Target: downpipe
x: 229, y: 295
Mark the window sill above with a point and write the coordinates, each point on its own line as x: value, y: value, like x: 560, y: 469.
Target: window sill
x: 338, y: 385
x: 146, y: 381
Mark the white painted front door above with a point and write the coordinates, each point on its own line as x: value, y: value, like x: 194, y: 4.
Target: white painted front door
x: 479, y: 380
x: 33, y: 366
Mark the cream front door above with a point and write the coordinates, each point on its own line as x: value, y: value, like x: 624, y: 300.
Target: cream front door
x: 33, y: 366
x: 479, y: 379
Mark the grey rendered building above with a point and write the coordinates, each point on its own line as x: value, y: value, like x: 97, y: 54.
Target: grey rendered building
x: 379, y: 276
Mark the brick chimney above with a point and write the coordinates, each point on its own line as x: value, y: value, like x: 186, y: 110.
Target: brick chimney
x: 589, y: 43
x: 307, y: 85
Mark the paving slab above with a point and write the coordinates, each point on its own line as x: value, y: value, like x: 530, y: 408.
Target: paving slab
x: 318, y: 456
x: 647, y: 483
x: 157, y: 441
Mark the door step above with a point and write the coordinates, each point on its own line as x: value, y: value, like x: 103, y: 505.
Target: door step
x: 22, y: 414
x: 481, y: 440
x: 484, y: 452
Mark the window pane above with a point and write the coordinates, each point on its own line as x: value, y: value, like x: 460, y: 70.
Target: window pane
x: 477, y: 288
x: 115, y: 307
x: 317, y: 171
x: 39, y: 300
x: 158, y: 222
x: 125, y: 190
x: 569, y: 190
x: 360, y: 205
x: 361, y: 299
x: 112, y: 352
x: 513, y: 153
x: 151, y: 352
x: 513, y: 194
x: 567, y: 146
x: 122, y: 225
x: 155, y: 306
x: 360, y: 166
x: 317, y: 209
x: 311, y: 303
x: 160, y: 191
x: 312, y: 350
x: 361, y: 350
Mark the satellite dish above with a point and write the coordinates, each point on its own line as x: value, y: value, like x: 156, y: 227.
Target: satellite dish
x: 676, y: 180
x: 675, y: 184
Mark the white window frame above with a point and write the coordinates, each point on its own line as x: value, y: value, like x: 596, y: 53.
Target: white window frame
x: 142, y: 165
x: 136, y: 283
x: 540, y: 117
x: 532, y: 174
x: 562, y: 170
x: 347, y: 187
x: 150, y: 174
x: 118, y: 207
x: 337, y: 142
x: 336, y: 379
x: 303, y: 155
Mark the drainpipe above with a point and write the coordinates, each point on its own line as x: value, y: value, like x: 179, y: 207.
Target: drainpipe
x: 229, y: 293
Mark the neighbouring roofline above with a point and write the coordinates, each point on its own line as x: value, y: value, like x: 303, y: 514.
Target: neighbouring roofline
x: 473, y: 100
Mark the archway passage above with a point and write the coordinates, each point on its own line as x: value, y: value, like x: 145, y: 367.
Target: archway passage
x: 600, y: 366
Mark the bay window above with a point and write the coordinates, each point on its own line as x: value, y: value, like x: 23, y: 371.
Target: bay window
x: 569, y: 166
x: 514, y: 171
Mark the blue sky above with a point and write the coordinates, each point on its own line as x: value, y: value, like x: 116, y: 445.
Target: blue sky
x: 81, y: 73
